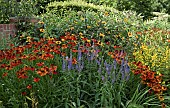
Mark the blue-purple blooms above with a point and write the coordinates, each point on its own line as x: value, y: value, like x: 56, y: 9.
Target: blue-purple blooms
x: 114, y: 64
x: 63, y: 64
x: 122, y: 70
x: 113, y: 70
x: 70, y: 62
x: 113, y: 74
x: 108, y: 67
x: 67, y: 62
x: 91, y: 55
x: 99, y: 63
x: 79, y: 54
x: 127, y: 70
x: 80, y: 64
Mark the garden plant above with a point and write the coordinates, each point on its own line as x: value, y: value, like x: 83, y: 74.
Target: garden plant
x: 83, y: 58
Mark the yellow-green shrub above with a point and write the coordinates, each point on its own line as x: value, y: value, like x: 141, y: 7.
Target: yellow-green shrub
x: 155, y: 51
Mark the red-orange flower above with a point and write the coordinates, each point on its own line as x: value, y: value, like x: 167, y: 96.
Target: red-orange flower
x: 116, y: 47
x: 4, y: 74
x: 29, y: 86
x: 43, y: 71
x: 64, y: 46
x: 164, y: 88
x: 40, y: 64
x: 24, y: 93
x: 36, y: 79
x: 53, y: 68
x: 150, y: 75
x: 3, y: 65
x: 8, y: 67
x: 143, y: 77
x: 74, y: 50
x: 21, y: 74
x: 74, y: 61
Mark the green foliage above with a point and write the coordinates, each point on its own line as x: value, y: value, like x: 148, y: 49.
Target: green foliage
x: 4, y: 41
x: 41, y: 4
x: 144, y: 7
x: 70, y: 88
x: 12, y: 8
x: 28, y: 30
x: 141, y: 99
x: 111, y: 3
x: 94, y: 25
x: 3, y: 11
x: 76, y: 5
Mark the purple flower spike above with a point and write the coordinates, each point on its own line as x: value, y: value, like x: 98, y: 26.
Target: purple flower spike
x: 63, y: 65
x: 88, y: 56
x: 99, y: 70
x: 122, y: 70
x: 113, y: 78
x: 114, y: 63
x: 98, y: 62
x: 127, y: 71
x: 103, y: 78
x: 70, y: 63
x: 79, y: 55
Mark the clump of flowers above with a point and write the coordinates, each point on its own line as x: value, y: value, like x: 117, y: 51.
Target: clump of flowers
x: 150, y: 78
x: 157, y: 58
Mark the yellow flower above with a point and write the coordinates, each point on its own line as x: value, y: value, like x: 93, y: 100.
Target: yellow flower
x: 21, y: 36
x: 75, y: 22
x: 125, y: 20
x: 81, y: 34
x: 82, y: 37
x: 154, y: 57
x: 135, y: 44
x: 117, y: 36
x: 161, y: 98
x: 100, y: 43
x: 75, y: 42
x: 88, y: 40
x: 106, y: 13
x: 101, y: 34
x: 144, y: 47
x: 123, y: 38
x: 62, y: 40
x: 136, y: 37
x: 82, y: 18
x: 41, y: 22
x: 129, y: 34
x: 42, y: 30
x: 72, y: 28
x: 50, y: 38
x: 97, y: 24
x: 58, y: 42
x: 88, y: 27
x: 103, y: 22
x: 28, y: 39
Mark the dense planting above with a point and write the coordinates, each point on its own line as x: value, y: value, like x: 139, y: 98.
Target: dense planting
x: 86, y: 59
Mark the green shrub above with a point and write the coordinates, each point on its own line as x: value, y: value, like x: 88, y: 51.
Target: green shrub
x: 76, y: 5
x: 13, y: 8
x: 144, y: 7
x: 111, y: 3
